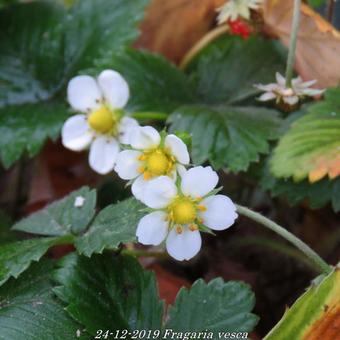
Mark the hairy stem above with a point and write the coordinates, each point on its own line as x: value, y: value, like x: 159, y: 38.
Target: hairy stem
x: 150, y: 115
x: 318, y: 262
x: 292, y: 44
x: 204, y: 41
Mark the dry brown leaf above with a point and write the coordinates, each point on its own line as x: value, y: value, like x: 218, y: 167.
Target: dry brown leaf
x: 172, y: 27
x: 318, y: 47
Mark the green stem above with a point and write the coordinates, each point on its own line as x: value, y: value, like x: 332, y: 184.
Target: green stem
x: 318, y: 262
x: 292, y: 44
x: 150, y: 115
x: 144, y: 253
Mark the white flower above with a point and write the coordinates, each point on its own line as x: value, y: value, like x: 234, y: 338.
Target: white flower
x: 151, y: 156
x: 288, y: 95
x: 79, y: 201
x: 102, y: 124
x: 236, y: 8
x: 180, y: 213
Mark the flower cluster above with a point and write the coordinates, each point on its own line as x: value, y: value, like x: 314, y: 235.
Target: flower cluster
x: 182, y: 202
x: 288, y: 95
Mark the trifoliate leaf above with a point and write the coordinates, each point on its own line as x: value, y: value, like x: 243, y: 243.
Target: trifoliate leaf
x: 109, y: 292
x: 154, y: 82
x: 26, y: 128
x: 217, y: 306
x: 317, y: 194
x: 62, y: 217
x: 315, y: 315
x: 229, y: 137
x: 311, y: 147
x: 227, y: 69
x: 114, y: 225
x: 16, y: 257
x: 29, y: 310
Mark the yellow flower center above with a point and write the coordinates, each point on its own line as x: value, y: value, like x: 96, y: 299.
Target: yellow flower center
x: 157, y: 162
x: 103, y: 120
x: 183, y: 211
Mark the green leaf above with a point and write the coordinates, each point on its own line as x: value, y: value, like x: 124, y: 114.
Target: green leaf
x: 114, y: 225
x: 216, y: 306
x: 16, y: 257
x: 310, y: 148
x: 30, y: 311
x: 26, y: 128
x: 61, y: 217
x: 68, y: 40
x: 229, y: 137
x: 227, y: 69
x: 315, y: 315
x: 316, y: 3
x: 155, y: 83
x: 109, y: 292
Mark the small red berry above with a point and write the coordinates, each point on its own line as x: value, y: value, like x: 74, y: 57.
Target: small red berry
x: 239, y: 27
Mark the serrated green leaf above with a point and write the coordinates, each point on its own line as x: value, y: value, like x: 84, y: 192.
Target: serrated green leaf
x: 310, y: 148
x: 30, y: 311
x: 317, y: 194
x: 155, y: 84
x: 109, y: 292
x: 315, y: 315
x: 114, y: 225
x: 61, y: 217
x: 217, y: 306
x: 26, y: 128
x: 16, y: 257
x: 227, y: 69
x: 229, y: 137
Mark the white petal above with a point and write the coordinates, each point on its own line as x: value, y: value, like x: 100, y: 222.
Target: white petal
x: 280, y: 79
x: 83, y: 93
x: 145, y: 137
x: 76, y: 134
x: 138, y: 187
x: 312, y: 92
x: 126, y: 126
x: 159, y: 192
x: 183, y: 246
x: 291, y: 100
x: 177, y: 148
x: 308, y: 83
x: 181, y: 169
x: 199, y: 181
x: 127, y: 164
x: 152, y: 228
x: 220, y: 213
x: 267, y: 96
x: 115, y: 88
x: 103, y: 154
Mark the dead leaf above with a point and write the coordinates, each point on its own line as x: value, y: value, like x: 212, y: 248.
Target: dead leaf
x: 318, y: 47
x: 172, y: 27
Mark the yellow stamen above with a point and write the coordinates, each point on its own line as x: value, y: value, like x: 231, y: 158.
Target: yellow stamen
x: 158, y: 163
x: 141, y: 169
x: 202, y: 207
x: 179, y: 229
x: 142, y: 158
x: 193, y: 227
x: 147, y: 175
x: 102, y: 120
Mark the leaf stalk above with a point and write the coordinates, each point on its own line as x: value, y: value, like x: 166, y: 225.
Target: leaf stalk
x: 317, y: 261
